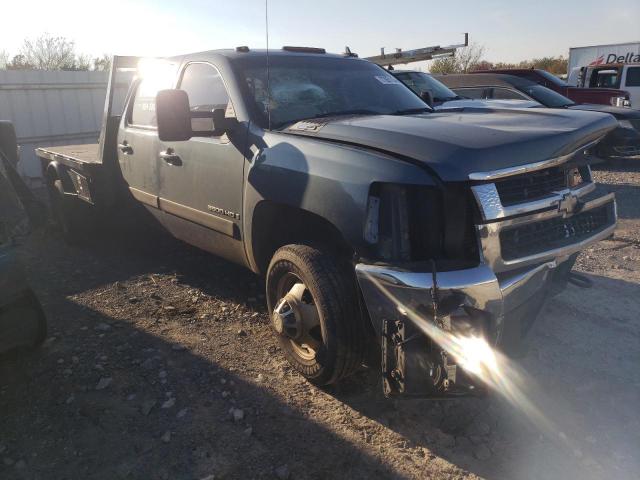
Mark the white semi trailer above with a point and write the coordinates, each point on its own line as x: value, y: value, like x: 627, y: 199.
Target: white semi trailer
x: 603, y: 54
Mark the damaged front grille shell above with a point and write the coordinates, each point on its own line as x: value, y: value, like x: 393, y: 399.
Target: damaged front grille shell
x: 501, y: 294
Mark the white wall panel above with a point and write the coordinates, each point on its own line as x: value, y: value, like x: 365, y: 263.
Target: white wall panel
x: 51, y: 108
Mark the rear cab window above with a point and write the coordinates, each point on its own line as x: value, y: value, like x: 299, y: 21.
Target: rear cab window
x: 507, y: 94
x: 475, y: 93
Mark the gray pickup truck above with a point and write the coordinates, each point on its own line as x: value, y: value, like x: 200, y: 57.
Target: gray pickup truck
x: 372, y: 218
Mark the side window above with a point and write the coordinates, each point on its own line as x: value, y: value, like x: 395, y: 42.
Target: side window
x: 475, y: 93
x: 633, y: 77
x: 155, y: 76
x: 205, y: 88
x: 143, y: 110
x: 507, y: 94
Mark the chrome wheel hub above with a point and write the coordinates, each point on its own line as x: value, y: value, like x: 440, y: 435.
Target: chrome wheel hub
x: 296, y: 318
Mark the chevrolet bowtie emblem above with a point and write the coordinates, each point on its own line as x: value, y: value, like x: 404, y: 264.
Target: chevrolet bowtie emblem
x: 569, y: 204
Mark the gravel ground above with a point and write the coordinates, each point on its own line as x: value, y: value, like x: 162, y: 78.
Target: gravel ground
x: 160, y: 364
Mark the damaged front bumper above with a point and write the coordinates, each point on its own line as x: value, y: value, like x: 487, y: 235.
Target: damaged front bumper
x: 498, y: 299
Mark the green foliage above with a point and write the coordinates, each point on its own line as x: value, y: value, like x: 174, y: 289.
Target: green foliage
x: 4, y: 59
x: 19, y: 62
x: 469, y: 59
x: 555, y: 65
x: 443, y: 66
x: 51, y: 53
x: 464, y: 60
x: 103, y: 63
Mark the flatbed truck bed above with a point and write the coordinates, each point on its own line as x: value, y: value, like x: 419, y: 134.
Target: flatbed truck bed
x: 73, y: 154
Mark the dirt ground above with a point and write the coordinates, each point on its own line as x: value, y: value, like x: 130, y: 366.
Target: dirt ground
x: 160, y: 364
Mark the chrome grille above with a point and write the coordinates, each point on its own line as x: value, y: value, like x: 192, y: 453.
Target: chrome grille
x: 533, y: 238
x: 532, y: 185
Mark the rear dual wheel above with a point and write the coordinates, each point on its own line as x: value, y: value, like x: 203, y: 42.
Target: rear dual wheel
x: 67, y: 214
x: 315, y: 313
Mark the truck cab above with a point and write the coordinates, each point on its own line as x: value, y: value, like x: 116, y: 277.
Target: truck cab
x: 579, y: 94
x: 624, y: 76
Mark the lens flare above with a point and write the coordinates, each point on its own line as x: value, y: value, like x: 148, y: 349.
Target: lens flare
x: 157, y: 74
x: 477, y: 357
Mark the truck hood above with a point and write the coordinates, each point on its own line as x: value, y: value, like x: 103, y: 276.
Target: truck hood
x: 621, y: 113
x: 470, y: 102
x: 456, y: 144
x: 606, y: 92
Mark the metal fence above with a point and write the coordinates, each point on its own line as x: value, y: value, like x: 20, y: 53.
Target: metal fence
x: 51, y: 108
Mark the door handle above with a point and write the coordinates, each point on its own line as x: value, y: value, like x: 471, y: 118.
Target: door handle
x: 125, y: 148
x: 170, y: 157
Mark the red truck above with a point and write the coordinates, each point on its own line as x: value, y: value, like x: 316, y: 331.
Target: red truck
x: 603, y: 96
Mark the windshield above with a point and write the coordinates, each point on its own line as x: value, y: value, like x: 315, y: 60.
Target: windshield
x: 304, y: 87
x: 553, y: 79
x: 545, y: 96
x: 421, y: 82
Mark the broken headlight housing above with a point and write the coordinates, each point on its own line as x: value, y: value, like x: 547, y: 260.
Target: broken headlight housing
x: 416, y: 223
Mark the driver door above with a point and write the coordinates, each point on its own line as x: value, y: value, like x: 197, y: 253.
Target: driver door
x: 201, y: 179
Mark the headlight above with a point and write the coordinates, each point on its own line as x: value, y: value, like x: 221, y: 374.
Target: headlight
x: 409, y: 223
x: 620, y: 102
x: 404, y: 222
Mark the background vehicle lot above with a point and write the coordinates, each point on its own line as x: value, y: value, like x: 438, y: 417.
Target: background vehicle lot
x: 187, y: 346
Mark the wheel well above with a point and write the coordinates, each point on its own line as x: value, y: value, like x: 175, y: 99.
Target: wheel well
x: 275, y: 225
x: 55, y: 172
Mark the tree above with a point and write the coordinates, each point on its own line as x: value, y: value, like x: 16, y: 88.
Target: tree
x: 4, y: 59
x: 463, y: 60
x: 19, y: 62
x: 442, y: 66
x: 103, y: 63
x: 49, y: 53
x: 79, y: 62
x: 483, y: 65
x: 468, y: 57
x: 555, y: 65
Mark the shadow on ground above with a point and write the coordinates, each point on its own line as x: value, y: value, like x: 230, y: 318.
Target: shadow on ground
x: 103, y: 399
x: 57, y: 422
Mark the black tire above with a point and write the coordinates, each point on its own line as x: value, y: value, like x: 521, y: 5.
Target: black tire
x: 332, y: 286
x: 66, y: 214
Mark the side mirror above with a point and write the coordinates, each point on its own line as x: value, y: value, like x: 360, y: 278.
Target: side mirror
x: 427, y: 97
x: 173, y: 115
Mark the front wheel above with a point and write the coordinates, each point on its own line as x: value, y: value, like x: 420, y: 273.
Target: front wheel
x: 315, y: 313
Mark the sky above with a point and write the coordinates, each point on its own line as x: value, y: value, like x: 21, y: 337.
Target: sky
x: 510, y: 31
